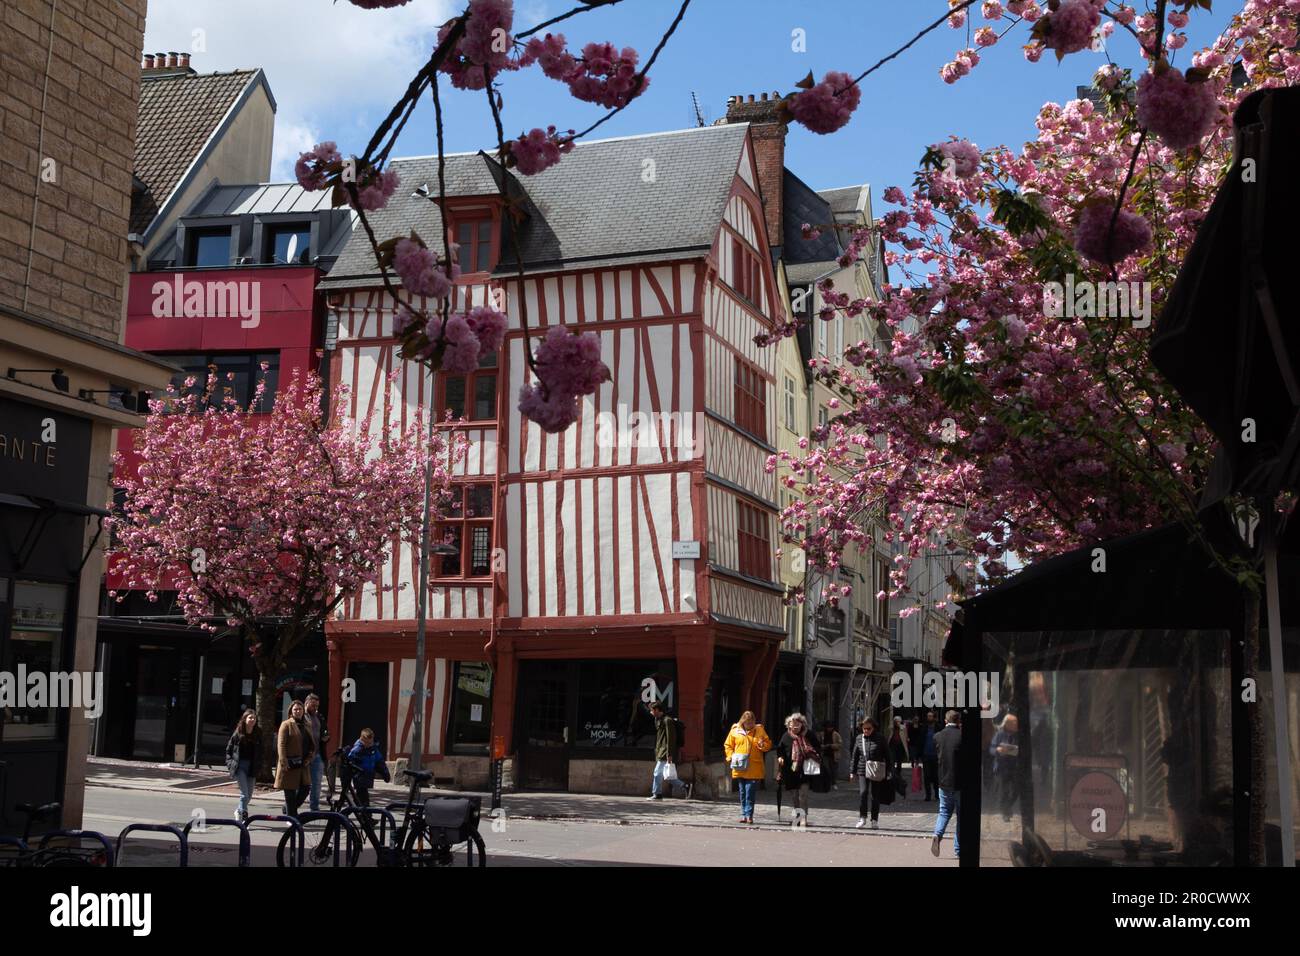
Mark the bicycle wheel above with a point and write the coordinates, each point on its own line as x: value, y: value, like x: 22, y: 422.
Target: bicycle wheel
x: 422, y: 850
x: 319, y: 848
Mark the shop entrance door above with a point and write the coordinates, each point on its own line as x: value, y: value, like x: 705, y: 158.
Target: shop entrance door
x: 163, y: 704
x: 545, y: 733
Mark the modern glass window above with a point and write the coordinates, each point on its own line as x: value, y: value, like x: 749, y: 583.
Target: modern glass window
x: 473, y: 233
x: 209, y: 248
x: 289, y: 244
x: 472, y: 397
x: 36, y: 645
x: 237, y: 374
x: 467, y: 529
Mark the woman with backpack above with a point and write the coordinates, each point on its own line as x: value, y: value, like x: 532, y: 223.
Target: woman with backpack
x: 799, y: 762
x: 870, y: 766
x: 242, y: 752
x: 744, y: 747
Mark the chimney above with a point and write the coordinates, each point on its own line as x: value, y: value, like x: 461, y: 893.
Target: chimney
x: 157, y: 65
x: 171, y: 60
x: 184, y: 61
x: 148, y: 62
x: 767, y: 130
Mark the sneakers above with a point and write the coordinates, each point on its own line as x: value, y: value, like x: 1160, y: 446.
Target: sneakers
x: 654, y: 796
x: 690, y: 788
x: 934, y: 845
x: 861, y: 823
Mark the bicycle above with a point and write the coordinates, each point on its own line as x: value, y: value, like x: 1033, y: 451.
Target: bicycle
x: 18, y: 853
x: 428, y: 835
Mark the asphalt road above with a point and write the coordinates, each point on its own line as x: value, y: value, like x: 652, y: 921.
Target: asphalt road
x: 528, y: 842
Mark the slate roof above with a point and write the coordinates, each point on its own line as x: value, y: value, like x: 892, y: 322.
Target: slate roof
x: 800, y: 203
x: 592, y: 208
x: 179, y: 112
x: 845, y: 200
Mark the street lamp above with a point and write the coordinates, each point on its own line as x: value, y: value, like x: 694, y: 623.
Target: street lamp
x: 421, y: 613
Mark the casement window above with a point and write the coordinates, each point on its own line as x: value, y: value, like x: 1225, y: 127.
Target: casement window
x: 208, y: 248
x: 472, y: 397
x: 755, y: 541
x: 751, y: 401
x: 821, y: 423
x: 746, y: 271
x: 882, y: 604
x: 474, y: 232
x: 791, y: 405
x: 288, y: 244
x: 237, y: 374
x: 466, y: 528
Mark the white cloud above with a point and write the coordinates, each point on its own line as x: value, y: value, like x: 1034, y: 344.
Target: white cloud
x: 334, y: 68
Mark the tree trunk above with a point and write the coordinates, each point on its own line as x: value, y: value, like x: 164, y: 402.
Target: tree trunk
x: 1255, y: 723
x: 268, y: 720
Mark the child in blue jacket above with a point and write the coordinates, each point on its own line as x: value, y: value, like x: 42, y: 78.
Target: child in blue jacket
x: 366, y: 758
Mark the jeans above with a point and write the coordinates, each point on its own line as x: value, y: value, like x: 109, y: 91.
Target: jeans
x: 657, y: 781
x: 317, y: 771
x: 869, y: 801
x: 746, y: 788
x: 293, y: 800
x: 245, y: 777
x: 949, y: 809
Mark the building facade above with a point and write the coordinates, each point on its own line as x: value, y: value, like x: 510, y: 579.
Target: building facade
x: 71, y: 78
x: 627, y: 559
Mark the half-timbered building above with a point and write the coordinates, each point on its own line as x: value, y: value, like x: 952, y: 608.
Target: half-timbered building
x: 625, y: 559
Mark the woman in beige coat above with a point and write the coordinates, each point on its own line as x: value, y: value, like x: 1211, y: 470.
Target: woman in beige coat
x: 293, y: 752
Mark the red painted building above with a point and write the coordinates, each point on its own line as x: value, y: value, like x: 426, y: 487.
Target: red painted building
x: 234, y: 290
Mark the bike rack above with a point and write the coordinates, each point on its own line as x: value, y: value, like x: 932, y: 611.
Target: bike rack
x: 78, y: 835
x: 181, y: 838
x: 386, y: 819
x: 283, y: 818
x: 354, y: 837
x: 245, y: 843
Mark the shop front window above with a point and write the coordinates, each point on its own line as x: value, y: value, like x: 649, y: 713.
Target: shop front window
x: 614, y: 699
x: 471, y: 707
x: 1110, y: 748
x: 35, y: 648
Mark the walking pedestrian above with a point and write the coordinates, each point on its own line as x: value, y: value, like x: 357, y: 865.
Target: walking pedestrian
x: 831, y: 744
x: 871, y: 768
x: 293, y: 745
x: 242, y: 751
x: 744, y: 747
x: 947, y: 745
x: 1005, y: 749
x: 798, y: 761
x: 897, y: 748
x: 929, y: 756
x: 365, y: 758
x: 668, y: 741
x: 319, y: 737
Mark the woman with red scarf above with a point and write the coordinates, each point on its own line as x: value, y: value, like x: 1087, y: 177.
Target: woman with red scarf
x: 798, y: 761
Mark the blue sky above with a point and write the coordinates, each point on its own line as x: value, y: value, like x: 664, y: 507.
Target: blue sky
x: 345, y: 67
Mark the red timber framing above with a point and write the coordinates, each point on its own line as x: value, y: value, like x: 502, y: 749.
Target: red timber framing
x: 585, y: 521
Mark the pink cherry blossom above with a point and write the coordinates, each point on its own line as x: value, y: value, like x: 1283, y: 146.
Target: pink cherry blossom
x: 991, y: 10
x: 537, y: 150
x: 1180, y: 112
x: 828, y: 105
x: 378, y: 189
x: 1070, y: 26
x: 569, y: 366
x: 963, y: 156
x: 489, y: 327
x: 317, y: 165
x: 986, y: 36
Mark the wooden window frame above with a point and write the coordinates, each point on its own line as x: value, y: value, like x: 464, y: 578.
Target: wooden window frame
x: 754, y: 542
x: 471, y: 379
x: 750, y: 411
x: 468, y: 258
x: 466, y: 523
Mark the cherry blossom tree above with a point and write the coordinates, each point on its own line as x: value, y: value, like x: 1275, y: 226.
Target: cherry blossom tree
x: 267, y: 522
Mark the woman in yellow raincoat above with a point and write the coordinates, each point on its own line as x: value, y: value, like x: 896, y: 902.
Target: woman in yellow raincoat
x: 744, y: 747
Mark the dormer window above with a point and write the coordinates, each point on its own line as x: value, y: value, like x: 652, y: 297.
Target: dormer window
x: 289, y: 244
x: 209, y: 248
x: 474, y: 231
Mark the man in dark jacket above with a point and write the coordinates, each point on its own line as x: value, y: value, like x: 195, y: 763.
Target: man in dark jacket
x: 929, y: 760
x: 667, y: 744
x: 947, y: 744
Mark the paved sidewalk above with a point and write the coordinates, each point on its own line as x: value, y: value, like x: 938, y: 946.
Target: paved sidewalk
x: 837, y: 810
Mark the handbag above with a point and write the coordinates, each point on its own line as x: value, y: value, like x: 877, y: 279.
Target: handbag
x: 811, y: 768
x: 916, y: 777
x: 670, y: 771
x: 739, y: 761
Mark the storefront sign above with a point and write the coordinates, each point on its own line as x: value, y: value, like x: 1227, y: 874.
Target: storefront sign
x: 43, y: 452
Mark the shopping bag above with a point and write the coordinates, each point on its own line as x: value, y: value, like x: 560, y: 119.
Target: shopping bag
x: 670, y: 771
x: 916, y: 778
